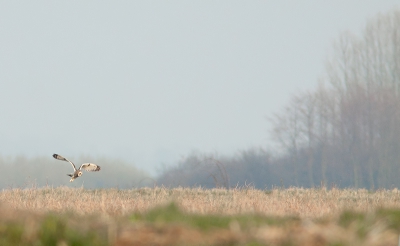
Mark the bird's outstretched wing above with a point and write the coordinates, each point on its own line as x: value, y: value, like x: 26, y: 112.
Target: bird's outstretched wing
x: 90, y: 167
x: 59, y: 157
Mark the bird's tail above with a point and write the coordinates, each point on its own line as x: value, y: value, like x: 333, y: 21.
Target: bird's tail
x: 70, y: 175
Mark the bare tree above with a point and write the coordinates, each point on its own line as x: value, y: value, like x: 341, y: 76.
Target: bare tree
x: 306, y: 104
x: 287, y: 132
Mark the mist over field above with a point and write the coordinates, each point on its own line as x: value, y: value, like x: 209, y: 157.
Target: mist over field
x: 22, y: 172
x: 204, y: 94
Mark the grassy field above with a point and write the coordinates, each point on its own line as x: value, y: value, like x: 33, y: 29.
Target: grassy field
x: 161, y: 216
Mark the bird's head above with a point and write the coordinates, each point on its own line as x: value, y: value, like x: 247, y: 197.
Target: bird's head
x: 79, y: 174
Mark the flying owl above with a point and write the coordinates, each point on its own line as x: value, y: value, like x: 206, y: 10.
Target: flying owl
x: 78, y: 172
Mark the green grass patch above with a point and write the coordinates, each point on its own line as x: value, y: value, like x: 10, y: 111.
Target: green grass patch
x: 173, y: 214
x: 52, y: 229
x: 391, y: 217
x: 11, y: 233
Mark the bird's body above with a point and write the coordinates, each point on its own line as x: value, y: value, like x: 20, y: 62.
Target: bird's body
x: 78, y: 172
x: 75, y: 175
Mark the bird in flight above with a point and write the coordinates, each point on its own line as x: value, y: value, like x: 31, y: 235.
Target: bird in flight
x: 90, y: 167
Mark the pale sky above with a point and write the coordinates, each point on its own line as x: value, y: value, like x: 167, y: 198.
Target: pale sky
x: 151, y: 81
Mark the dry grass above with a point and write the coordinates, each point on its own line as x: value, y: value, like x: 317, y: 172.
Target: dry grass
x: 292, y: 216
x: 305, y: 203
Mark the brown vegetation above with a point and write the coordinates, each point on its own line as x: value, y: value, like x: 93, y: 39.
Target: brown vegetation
x: 305, y: 203
x: 246, y: 216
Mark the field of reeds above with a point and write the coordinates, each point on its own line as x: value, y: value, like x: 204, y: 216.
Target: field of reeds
x: 195, y: 216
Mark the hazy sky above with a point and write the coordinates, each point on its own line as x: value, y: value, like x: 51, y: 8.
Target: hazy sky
x: 151, y: 81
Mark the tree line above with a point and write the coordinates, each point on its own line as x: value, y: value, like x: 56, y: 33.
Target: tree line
x: 345, y: 132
